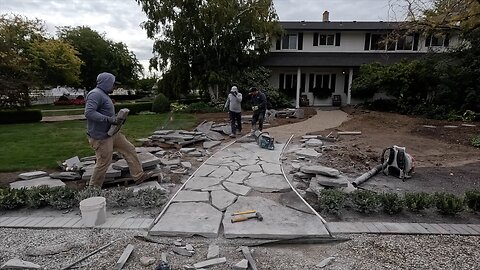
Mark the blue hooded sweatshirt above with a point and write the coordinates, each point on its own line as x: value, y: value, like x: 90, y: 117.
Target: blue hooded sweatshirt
x: 99, y: 109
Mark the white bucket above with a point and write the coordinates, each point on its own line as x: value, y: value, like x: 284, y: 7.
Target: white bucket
x: 93, y: 211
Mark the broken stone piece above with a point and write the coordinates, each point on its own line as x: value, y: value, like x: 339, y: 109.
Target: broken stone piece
x: 146, y: 261
x: 182, y: 251
x: 211, y: 262
x: 341, y: 181
x: 213, y: 251
x: 186, y: 164
x: 325, y: 262
x: 241, y: 265
x: 32, y: 175
x: 19, y: 264
x: 314, y: 143
x: 319, y: 169
x: 311, y: 153
x: 189, y: 247
x: 67, y: 176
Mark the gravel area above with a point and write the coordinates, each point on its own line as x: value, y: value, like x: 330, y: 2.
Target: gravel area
x: 361, y: 252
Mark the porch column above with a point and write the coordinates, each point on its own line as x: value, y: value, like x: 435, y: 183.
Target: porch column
x: 297, y: 99
x: 350, y: 79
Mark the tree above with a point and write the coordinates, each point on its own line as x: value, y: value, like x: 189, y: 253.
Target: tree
x: 28, y: 58
x: 100, y: 54
x: 200, y: 44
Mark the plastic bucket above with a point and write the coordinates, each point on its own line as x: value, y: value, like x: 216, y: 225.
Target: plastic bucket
x: 94, y: 211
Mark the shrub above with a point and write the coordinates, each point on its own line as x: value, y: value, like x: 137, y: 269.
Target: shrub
x: 177, y: 107
x: 383, y: 105
x: 37, y: 197
x: 15, y: 117
x: 418, y: 201
x: 476, y: 141
x: 203, y: 107
x: 472, y: 200
x: 364, y: 201
x: 448, y: 204
x: 392, y: 203
x: 135, y: 108
x: 118, y: 197
x: 161, y: 104
x: 62, y: 198
x: 331, y: 201
x: 12, y: 198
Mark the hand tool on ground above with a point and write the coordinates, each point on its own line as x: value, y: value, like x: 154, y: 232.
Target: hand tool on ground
x: 244, y: 212
x: 243, y: 218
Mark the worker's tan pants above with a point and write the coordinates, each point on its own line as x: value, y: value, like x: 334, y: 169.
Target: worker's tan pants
x: 103, y: 153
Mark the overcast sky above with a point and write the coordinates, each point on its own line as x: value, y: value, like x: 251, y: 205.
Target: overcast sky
x: 120, y: 19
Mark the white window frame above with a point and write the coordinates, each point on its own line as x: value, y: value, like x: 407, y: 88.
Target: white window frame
x: 327, y: 35
x: 291, y: 38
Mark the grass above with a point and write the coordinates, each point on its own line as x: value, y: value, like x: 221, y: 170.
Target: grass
x: 40, y: 145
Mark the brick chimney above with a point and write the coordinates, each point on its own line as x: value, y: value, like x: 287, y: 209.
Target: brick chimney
x: 326, y: 16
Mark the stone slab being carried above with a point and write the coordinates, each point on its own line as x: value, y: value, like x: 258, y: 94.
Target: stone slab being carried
x: 268, y: 183
x: 279, y: 222
x: 188, y: 219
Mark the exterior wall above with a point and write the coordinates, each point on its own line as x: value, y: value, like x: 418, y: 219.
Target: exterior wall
x: 354, y: 41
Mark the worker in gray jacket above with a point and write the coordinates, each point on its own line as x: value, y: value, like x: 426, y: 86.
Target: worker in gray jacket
x: 234, y: 104
x: 100, y: 114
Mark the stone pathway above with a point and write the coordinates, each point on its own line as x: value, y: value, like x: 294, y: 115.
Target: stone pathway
x: 241, y: 177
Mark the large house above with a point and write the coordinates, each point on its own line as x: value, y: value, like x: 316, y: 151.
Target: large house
x: 316, y: 62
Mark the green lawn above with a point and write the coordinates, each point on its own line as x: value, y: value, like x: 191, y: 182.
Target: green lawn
x: 41, y: 145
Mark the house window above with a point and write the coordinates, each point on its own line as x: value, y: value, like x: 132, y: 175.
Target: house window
x: 322, y: 85
x: 288, y: 84
x: 437, y: 41
x: 289, y: 42
x: 377, y: 42
x: 380, y: 42
x: 405, y: 43
x: 326, y: 39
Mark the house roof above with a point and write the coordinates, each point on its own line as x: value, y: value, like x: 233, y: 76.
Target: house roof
x: 336, y: 26
x: 333, y: 59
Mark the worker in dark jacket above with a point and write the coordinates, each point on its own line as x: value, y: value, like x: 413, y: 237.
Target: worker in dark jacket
x: 100, y: 115
x: 259, y: 108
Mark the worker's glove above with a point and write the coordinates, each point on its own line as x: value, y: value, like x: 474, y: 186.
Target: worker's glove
x: 254, y: 108
x: 115, y: 121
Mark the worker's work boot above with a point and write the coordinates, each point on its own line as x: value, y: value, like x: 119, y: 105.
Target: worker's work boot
x: 145, y: 176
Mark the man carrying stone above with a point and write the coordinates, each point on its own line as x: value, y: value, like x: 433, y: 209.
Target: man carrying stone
x: 259, y: 108
x: 234, y: 104
x: 100, y: 114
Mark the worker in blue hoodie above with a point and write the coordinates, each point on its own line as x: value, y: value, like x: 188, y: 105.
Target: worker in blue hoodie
x: 100, y: 114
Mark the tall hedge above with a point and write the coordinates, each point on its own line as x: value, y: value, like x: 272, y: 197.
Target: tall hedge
x: 15, y: 117
x: 161, y: 104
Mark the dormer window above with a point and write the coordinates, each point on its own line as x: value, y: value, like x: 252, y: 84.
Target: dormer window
x: 289, y: 42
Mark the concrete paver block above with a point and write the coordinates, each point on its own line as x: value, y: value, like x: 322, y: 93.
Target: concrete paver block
x: 187, y: 219
x: 278, y: 221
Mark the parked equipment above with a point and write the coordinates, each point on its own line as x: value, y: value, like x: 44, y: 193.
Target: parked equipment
x: 398, y: 163
x: 264, y: 140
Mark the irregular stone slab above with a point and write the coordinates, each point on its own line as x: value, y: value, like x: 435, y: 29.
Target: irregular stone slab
x: 341, y: 181
x: 221, y: 199
x: 205, y: 170
x: 238, y: 177
x: 110, y: 174
x: 246, y: 162
x: 319, y: 169
x: 291, y: 200
x: 209, y: 263
x: 241, y: 265
x: 152, y: 150
x: 314, y: 187
x: 269, y: 183
x: 37, y: 182
x: 222, y: 172
x: 50, y: 249
x: 186, y: 164
x: 187, y: 150
x: 146, y: 261
x: 67, y: 176
x: 325, y: 262
x: 163, y: 132
x: 213, y: 251
x: 19, y: 264
x: 301, y: 175
x: 72, y: 162
x: 182, y: 251
x: 188, y: 219
x: 313, y: 143
x: 270, y: 168
x: 124, y: 257
x: 213, y: 188
x: 211, y: 144
x: 170, y: 162
x: 147, y: 159
x: 279, y: 222
x: 191, y: 196
x: 147, y: 185
x: 252, y: 168
x: 32, y: 175
x: 311, y: 153
x: 308, y: 137
x: 199, y: 183
x: 195, y: 154
x: 237, y: 189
